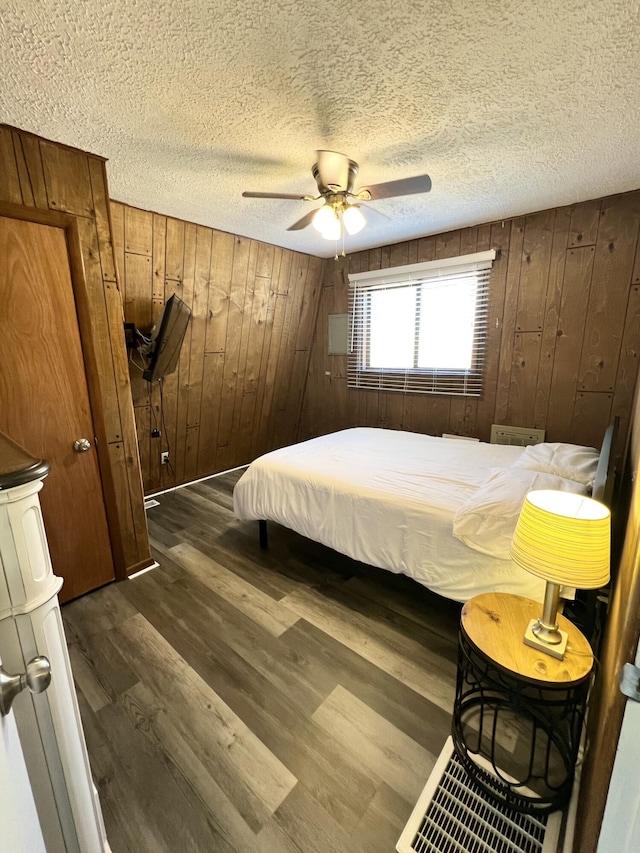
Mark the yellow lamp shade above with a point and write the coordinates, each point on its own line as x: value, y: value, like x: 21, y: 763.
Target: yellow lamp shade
x: 563, y: 538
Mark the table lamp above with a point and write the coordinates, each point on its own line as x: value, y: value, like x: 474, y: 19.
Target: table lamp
x: 563, y: 538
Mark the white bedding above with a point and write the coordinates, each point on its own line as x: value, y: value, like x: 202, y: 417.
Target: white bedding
x: 386, y: 498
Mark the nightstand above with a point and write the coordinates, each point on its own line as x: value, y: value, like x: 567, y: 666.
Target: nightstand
x: 516, y: 708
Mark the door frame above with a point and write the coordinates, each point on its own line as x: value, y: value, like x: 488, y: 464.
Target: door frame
x: 69, y: 226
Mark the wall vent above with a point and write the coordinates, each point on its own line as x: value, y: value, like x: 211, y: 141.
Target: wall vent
x: 520, y: 436
x: 454, y: 815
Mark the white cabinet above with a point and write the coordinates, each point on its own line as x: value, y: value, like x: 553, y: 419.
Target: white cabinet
x: 49, y: 723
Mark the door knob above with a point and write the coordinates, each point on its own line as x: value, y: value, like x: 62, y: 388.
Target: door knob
x: 37, y: 678
x: 81, y: 445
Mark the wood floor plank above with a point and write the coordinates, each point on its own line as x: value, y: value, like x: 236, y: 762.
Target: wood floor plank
x: 384, y: 820
x: 128, y: 800
x: 305, y: 821
x: 261, y: 570
x: 203, y: 614
x: 101, y: 610
x: 258, y: 780
x: 243, y: 595
x: 411, y: 665
x: 408, y: 710
x: 229, y: 822
x: 390, y: 755
x: 176, y: 815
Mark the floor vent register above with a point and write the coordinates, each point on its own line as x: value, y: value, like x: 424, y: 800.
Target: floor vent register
x: 453, y: 815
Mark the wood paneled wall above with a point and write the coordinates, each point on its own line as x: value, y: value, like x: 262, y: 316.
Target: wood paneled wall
x: 238, y: 388
x: 564, y: 330
x: 36, y: 173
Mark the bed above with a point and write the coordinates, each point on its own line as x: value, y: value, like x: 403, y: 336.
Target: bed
x: 439, y: 510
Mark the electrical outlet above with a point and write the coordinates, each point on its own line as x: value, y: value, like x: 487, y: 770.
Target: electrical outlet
x: 164, y: 457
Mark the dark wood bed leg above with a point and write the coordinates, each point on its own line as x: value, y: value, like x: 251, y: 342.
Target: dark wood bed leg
x: 264, y: 539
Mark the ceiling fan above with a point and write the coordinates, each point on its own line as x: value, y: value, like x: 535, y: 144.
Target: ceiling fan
x: 335, y: 175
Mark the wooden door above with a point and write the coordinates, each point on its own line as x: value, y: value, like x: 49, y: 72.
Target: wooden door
x: 44, y: 400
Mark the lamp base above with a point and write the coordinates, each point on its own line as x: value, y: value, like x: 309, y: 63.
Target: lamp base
x: 556, y: 650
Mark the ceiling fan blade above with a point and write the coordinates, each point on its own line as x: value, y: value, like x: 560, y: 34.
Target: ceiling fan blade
x: 275, y: 195
x: 373, y: 213
x: 306, y: 220
x: 404, y: 186
x: 333, y: 169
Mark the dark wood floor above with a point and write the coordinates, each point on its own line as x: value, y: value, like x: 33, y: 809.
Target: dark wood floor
x: 235, y: 700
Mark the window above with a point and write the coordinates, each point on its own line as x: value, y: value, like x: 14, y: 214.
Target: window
x: 421, y: 328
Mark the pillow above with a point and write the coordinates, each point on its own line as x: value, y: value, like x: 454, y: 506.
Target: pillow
x: 565, y: 460
x: 487, y: 520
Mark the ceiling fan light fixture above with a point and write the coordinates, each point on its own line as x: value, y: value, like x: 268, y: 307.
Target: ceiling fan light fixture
x: 353, y: 219
x: 333, y: 229
x: 324, y: 218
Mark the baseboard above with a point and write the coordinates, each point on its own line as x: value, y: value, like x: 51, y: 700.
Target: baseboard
x: 191, y: 482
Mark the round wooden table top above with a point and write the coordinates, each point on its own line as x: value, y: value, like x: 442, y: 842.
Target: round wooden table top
x: 495, y: 623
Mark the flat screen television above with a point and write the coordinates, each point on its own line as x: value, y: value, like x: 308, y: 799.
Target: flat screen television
x: 166, y: 339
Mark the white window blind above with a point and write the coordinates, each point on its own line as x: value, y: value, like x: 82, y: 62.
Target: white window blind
x: 421, y: 328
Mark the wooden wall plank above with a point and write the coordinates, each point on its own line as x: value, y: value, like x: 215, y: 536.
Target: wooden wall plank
x: 268, y: 410
x: 106, y: 340
x: 210, y: 410
x: 612, y: 271
x: 182, y: 401
x: 245, y: 333
x: 198, y: 325
x: 117, y: 230
x: 139, y: 291
x: 499, y: 237
x: 524, y: 377
x: 175, y: 248
x: 115, y: 319
x: 67, y: 179
x: 143, y: 429
x: 33, y: 158
x: 635, y: 277
x: 159, y: 250
x: 534, y: 274
x: 220, y: 277
x: 591, y: 416
x: 232, y: 344
x: 551, y: 310
x: 138, y: 231
x: 24, y: 177
x: 97, y: 175
x: 448, y: 245
x: 514, y: 265
x: 9, y: 178
x: 259, y: 436
x: 568, y: 348
x: 584, y: 223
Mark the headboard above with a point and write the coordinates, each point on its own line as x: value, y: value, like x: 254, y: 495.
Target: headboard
x: 605, y: 474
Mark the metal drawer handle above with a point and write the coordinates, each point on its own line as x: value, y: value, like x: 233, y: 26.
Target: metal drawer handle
x: 81, y: 445
x: 37, y: 678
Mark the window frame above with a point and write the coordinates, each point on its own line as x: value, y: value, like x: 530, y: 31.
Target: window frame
x: 450, y: 382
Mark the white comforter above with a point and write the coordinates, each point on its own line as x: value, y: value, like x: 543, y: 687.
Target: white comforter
x: 386, y: 498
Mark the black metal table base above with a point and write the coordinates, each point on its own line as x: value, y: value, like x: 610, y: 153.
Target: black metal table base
x: 528, y: 732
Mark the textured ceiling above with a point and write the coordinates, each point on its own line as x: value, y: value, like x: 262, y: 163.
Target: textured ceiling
x: 511, y: 107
